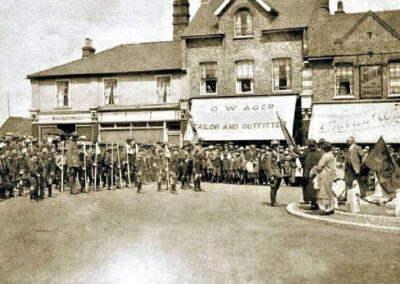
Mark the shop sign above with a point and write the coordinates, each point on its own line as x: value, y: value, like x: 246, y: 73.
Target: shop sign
x: 250, y: 118
x: 371, y: 81
x: 365, y: 121
x: 64, y: 118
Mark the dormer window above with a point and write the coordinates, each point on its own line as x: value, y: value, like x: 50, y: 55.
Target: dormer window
x: 243, y: 23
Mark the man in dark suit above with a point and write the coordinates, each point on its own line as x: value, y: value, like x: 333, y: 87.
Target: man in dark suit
x: 354, y: 156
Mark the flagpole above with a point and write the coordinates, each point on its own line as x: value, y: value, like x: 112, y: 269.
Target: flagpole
x: 128, y: 168
x: 95, y: 167
x: 62, y: 166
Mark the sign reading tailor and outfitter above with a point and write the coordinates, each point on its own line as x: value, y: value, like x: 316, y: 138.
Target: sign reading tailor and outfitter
x: 365, y: 121
x: 251, y: 118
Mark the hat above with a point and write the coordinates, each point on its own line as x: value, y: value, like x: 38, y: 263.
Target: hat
x: 321, y: 141
x: 274, y: 143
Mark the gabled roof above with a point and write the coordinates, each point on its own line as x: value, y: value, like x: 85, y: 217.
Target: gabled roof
x: 324, y: 36
x: 16, y: 125
x: 289, y: 14
x: 224, y: 4
x: 122, y: 59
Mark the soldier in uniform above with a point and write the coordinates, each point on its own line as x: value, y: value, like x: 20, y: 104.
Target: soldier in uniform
x: 198, y: 169
x: 49, y: 169
x: 161, y: 168
x: 174, y: 170
x: 72, y: 161
x: 274, y: 171
x: 140, y: 167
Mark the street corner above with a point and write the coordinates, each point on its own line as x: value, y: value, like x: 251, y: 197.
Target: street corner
x: 364, y: 222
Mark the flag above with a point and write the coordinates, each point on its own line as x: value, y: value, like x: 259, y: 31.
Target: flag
x: 98, y: 152
x: 381, y: 162
x: 191, y: 132
x: 289, y: 139
x: 136, y: 149
x: 129, y: 149
x: 165, y: 133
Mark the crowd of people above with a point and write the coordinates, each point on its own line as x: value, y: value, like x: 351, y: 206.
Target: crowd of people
x: 79, y: 166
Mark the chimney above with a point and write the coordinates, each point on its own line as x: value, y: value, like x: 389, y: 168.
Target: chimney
x: 181, y: 17
x: 324, y: 4
x: 339, y: 8
x: 88, y: 49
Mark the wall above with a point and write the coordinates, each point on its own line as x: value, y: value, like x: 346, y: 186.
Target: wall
x: 86, y: 93
x: 261, y: 48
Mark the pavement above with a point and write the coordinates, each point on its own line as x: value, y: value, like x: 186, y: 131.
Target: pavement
x: 227, y: 234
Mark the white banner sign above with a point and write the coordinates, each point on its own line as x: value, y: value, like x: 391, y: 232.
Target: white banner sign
x: 365, y: 121
x: 64, y: 118
x: 251, y: 118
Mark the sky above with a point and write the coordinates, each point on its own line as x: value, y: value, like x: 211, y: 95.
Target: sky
x: 39, y: 34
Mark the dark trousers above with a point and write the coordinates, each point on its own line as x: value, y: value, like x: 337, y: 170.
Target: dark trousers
x: 274, y: 189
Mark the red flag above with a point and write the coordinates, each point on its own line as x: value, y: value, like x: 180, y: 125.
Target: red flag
x: 388, y: 172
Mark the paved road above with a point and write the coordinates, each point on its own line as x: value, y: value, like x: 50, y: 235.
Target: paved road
x: 225, y: 235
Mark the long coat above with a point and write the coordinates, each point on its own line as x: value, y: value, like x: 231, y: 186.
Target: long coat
x: 326, y: 175
x: 311, y: 160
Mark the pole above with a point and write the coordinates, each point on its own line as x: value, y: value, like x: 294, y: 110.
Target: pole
x: 8, y: 103
x: 95, y: 167
x: 85, y: 166
x: 62, y: 166
x: 128, y: 167
x: 112, y: 165
x: 119, y: 167
x: 168, y: 182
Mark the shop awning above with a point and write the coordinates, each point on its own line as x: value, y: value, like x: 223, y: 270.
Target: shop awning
x: 365, y: 121
x: 243, y: 118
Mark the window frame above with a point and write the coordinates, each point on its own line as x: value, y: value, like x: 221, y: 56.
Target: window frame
x: 170, y: 88
x: 236, y: 15
x: 202, y: 80
x: 290, y: 88
x: 69, y: 94
x: 252, y: 82
x: 104, y: 91
x: 390, y: 94
x: 352, y: 94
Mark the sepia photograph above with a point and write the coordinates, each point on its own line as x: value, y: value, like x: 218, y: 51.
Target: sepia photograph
x: 200, y: 141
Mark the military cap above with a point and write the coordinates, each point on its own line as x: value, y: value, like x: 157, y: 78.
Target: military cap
x: 321, y: 141
x: 274, y: 143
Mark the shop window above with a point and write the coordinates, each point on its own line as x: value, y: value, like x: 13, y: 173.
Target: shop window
x: 209, y: 77
x: 245, y: 76
x: 371, y: 81
x: 394, y: 79
x: 174, y: 126
x: 111, y: 91
x: 164, y: 89
x: 282, y: 74
x: 243, y: 23
x: 62, y: 93
x: 156, y: 124
x: 344, y: 80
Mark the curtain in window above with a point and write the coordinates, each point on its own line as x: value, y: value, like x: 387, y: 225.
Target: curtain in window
x: 163, y: 89
x: 245, y: 70
x: 208, y: 70
x: 394, y: 78
x: 62, y: 94
x: 110, y: 91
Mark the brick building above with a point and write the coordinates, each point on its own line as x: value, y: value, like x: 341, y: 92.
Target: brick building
x: 245, y: 55
x: 355, y: 64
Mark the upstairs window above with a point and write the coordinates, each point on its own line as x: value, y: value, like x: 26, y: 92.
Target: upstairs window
x: 208, y: 78
x: 282, y: 74
x: 344, y: 80
x: 245, y: 76
x: 243, y: 23
x: 394, y: 78
x: 111, y: 91
x: 62, y: 93
x: 164, y: 89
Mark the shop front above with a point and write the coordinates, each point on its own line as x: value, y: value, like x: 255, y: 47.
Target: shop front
x: 250, y: 118
x: 143, y: 125
x: 366, y: 121
x: 48, y: 124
